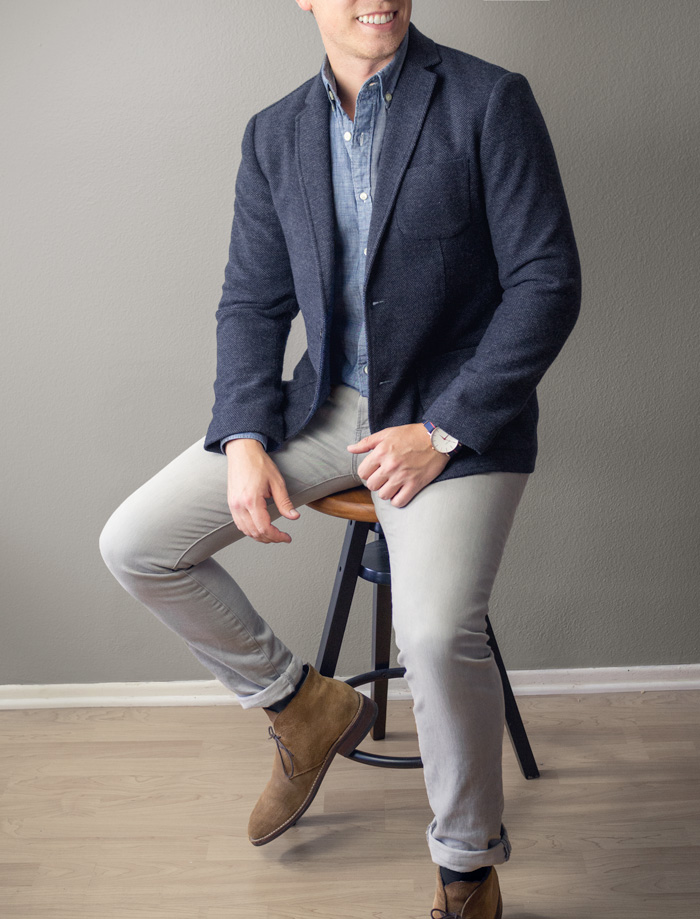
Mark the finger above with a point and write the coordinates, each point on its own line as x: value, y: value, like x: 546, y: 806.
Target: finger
x: 272, y: 534
x: 275, y: 535
x: 263, y: 526
x: 404, y: 495
x: 258, y: 530
x: 239, y: 517
x: 377, y: 480
x: 389, y: 490
x: 366, y: 443
x: 368, y: 466
x: 284, y: 504
x: 243, y: 521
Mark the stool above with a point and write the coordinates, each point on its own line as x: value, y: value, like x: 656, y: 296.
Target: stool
x: 370, y: 561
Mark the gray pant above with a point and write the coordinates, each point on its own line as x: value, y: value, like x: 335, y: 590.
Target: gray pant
x: 445, y: 548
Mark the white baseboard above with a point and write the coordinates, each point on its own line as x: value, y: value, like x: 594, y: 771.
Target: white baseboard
x: 212, y: 692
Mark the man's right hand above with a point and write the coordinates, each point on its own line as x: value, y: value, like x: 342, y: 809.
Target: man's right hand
x: 252, y: 478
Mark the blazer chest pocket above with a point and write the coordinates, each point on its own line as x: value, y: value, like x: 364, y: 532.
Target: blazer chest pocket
x: 433, y: 200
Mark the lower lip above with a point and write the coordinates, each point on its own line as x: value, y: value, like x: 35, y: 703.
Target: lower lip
x: 382, y: 27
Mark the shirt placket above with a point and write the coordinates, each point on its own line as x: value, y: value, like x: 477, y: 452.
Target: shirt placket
x: 360, y: 151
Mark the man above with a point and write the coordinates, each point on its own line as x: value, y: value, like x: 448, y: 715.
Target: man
x: 408, y: 202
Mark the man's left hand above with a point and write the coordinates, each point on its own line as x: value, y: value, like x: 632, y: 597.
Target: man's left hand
x: 400, y: 463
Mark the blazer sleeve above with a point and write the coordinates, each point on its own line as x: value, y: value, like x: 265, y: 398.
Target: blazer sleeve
x: 254, y: 315
x: 538, y: 269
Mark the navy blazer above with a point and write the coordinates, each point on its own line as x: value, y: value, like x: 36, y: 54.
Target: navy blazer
x: 473, y: 280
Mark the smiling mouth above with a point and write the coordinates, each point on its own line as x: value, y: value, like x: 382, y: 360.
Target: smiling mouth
x: 377, y: 19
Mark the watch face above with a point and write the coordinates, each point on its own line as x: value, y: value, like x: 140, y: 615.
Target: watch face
x: 442, y: 441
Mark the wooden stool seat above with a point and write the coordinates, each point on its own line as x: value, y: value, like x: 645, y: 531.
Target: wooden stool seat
x: 352, y: 504
x: 359, y: 559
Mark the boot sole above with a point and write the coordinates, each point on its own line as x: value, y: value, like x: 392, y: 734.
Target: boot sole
x: 353, y: 734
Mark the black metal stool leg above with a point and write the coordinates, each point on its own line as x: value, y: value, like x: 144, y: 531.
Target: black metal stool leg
x: 375, y: 567
x: 341, y: 598
x: 381, y: 650
x: 514, y: 723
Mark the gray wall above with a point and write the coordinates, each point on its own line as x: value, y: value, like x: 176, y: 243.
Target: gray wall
x: 120, y: 130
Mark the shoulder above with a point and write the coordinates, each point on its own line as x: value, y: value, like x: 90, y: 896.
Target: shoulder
x: 465, y: 82
x: 461, y: 69
x: 270, y: 136
x: 453, y: 63
x: 494, y: 92
x: 280, y: 114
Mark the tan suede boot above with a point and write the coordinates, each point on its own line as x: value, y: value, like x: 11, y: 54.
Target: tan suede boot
x: 325, y: 717
x: 468, y: 899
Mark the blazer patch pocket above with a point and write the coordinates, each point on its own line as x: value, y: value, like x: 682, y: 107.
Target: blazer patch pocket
x: 433, y: 200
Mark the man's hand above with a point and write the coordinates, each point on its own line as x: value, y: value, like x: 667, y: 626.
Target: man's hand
x: 400, y: 463
x: 253, y: 477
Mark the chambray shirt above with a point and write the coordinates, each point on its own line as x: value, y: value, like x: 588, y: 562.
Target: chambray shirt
x: 355, y: 150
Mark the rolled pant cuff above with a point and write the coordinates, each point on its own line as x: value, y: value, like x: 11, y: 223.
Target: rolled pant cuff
x: 283, y: 685
x: 467, y: 859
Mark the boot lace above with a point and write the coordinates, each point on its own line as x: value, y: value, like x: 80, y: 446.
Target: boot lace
x: 280, y: 747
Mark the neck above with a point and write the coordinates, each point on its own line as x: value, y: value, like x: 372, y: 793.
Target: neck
x: 350, y: 76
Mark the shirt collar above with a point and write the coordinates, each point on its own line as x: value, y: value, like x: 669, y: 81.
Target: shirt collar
x: 388, y: 76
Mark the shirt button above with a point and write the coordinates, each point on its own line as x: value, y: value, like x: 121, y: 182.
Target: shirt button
x: 347, y: 135
x: 365, y: 252
x: 388, y: 97
x: 363, y: 196
x: 365, y: 368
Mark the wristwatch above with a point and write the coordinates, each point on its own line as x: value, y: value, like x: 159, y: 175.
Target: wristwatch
x: 441, y: 441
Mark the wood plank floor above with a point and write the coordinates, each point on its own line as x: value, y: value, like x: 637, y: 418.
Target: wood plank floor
x: 141, y: 813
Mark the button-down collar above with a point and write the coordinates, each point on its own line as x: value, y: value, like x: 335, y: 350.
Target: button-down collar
x: 388, y: 76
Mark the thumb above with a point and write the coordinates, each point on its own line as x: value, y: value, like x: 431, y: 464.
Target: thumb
x: 284, y: 502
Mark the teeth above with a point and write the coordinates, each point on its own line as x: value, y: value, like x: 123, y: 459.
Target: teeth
x: 378, y: 19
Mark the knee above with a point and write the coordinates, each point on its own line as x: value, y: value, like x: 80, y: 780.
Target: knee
x: 437, y: 644
x: 113, y: 545
x: 123, y: 547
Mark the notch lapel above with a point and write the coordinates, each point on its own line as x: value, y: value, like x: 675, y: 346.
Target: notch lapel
x: 314, y: 165
x: 403, y: 125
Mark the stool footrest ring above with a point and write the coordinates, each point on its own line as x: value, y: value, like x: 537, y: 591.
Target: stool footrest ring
x: 375, y: 759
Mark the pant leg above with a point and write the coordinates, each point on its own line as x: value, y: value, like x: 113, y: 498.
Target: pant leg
x: 445, y: 547
x: 158, y: 544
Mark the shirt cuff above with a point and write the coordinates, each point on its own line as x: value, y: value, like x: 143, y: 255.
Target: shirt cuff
x: 250, y: 434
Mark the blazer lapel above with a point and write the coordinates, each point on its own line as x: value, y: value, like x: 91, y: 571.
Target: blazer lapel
x: 314, y: 165
x: 404, y: 122
x: 403, y: 125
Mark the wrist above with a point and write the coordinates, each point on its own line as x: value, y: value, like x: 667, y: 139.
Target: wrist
x: 442, y: 442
